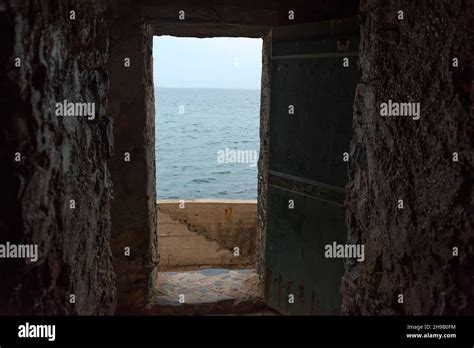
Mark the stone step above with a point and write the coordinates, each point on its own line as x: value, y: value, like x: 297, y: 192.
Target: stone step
x: 207, y: 292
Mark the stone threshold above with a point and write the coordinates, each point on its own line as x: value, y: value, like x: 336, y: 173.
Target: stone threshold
x: 208, y: 292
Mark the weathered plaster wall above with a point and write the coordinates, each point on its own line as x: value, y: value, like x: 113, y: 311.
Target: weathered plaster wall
x: 204, y: 233
x: 409, y: 251
x: 63, y: 158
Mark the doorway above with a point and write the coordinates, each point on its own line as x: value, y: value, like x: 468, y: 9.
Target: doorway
x: 207, y: 118
x: 301, y: 178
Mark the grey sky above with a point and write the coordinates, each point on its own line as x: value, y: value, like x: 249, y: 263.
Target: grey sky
x: 207, y: 63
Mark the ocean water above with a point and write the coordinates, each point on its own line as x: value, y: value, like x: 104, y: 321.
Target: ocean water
x: 206, y: 143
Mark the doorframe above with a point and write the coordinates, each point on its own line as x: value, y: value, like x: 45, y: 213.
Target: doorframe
x: 160, y: 28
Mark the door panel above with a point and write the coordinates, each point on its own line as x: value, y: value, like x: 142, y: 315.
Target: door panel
x: 306, y: 162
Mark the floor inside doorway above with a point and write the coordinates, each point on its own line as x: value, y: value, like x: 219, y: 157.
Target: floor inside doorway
x: 210, y: 291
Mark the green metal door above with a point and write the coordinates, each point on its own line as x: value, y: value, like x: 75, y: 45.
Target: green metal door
x: 313, y: 79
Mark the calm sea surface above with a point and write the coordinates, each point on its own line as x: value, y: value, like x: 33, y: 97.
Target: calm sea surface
x: 193, y: 127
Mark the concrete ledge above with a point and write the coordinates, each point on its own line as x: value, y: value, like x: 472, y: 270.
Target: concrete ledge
x: 205, y: 233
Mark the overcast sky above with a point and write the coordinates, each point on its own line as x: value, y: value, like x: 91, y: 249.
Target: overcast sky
x: 207, y: 63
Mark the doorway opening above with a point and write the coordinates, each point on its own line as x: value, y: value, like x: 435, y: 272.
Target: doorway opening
x: 207, y: 121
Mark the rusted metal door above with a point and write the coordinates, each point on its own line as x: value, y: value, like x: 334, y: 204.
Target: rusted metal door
x: 313, y: 79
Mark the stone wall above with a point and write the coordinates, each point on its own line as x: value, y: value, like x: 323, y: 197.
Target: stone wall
x: 204, y: 233
x: 62, y: 158
x: 263, y: 160
x: 131, y: 106
x: 409, y: 251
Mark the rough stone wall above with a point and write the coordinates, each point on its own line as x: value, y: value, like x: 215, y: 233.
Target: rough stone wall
x: 409, y: 251
x: 63, y: 159
x: 264, y: 158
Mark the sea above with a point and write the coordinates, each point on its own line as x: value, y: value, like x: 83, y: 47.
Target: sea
x: 206, y: 143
